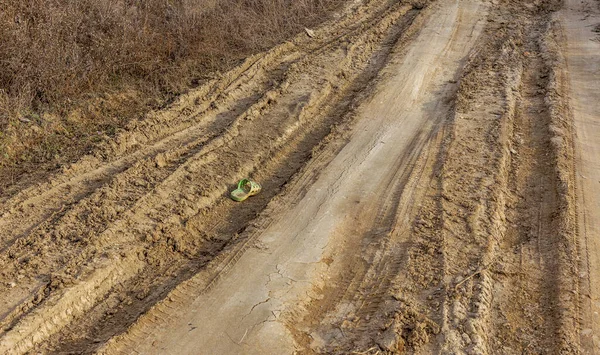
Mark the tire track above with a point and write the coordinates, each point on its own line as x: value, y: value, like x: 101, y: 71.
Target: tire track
x: 362, y: 311
x: 501, y: 192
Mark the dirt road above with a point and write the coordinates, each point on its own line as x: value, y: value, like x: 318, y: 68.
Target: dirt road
x: 430, y: 179
x: 358, y: 193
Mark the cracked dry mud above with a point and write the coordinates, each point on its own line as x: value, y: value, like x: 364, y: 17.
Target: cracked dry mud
x: 431, y: 183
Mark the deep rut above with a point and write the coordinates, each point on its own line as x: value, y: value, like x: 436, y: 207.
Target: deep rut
x: 502, y: 223
x: 530, y: 249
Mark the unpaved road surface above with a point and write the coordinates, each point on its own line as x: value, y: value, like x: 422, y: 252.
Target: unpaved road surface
x: 431, y: 184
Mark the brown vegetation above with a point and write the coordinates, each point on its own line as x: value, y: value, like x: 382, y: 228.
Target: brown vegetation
x: 74, y: 71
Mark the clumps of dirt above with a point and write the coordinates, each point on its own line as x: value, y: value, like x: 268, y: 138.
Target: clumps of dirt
x: 419, y: 4
x: 410, y: 329
x: 399, y: 327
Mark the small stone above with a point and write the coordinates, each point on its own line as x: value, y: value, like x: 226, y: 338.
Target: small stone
x: 470, y: 327
x: 476, y: 339
x: 160, y: 160
x: 390, y: 341
x: 310, y: 32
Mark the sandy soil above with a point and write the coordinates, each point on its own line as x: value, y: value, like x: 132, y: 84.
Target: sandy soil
x: 430, y: 177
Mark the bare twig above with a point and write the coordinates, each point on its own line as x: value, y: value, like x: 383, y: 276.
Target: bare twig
x: 472, y: 275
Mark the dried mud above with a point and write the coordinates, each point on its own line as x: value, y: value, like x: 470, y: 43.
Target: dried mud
x: 421, y: 194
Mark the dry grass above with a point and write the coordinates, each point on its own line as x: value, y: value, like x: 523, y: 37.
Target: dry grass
x: 72, y: 70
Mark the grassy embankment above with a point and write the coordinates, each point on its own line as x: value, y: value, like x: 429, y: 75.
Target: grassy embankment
x: 75, y: 71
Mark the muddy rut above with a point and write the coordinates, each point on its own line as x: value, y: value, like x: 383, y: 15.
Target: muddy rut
x: 429, y: 186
